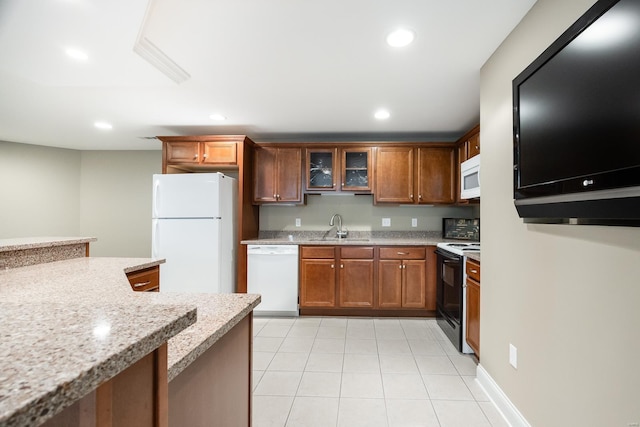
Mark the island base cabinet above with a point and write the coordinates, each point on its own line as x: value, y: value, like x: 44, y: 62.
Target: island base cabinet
x: 135, y: 397
x: 215, y: 390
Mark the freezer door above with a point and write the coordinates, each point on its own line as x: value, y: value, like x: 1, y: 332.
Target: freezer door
x: 191, y: 195
x: 194, y: 259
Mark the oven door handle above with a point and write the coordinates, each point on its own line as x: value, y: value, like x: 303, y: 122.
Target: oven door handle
x: 448, y: 256
x: 451, y: 261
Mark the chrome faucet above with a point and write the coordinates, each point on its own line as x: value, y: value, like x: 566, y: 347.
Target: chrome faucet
x: 340, y: 233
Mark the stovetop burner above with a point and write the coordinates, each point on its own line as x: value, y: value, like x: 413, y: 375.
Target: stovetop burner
x: 460, y: 248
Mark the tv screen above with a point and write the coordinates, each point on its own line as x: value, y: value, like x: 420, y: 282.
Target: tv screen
x: 577, y: 119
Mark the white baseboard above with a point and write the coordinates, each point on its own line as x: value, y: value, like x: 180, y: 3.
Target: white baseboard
x: 502, y: 402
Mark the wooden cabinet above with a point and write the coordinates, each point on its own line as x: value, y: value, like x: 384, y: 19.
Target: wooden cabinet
x: 467, y: 147
x: 473, y: 305
x: 394, y: 175
x: 277, y: 175
x: 356, y: 169
x: 338, y: 169
x: 436, y: 175
x: 333, y: 277
x: 355, y: 284
x: 402, y: 277
x: 317, y: 276
x: 367, y: 280
x: 321, y: 169
x: 201, y: 153
x: 147, y: 280
x: 415, y: 175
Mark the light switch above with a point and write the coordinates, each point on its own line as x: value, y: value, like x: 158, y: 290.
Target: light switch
x: 386, y: 222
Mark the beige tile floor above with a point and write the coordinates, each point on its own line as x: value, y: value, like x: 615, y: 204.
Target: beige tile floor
x: 336, y: 371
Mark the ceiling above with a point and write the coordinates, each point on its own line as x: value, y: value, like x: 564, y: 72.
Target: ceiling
x: 276, y: 69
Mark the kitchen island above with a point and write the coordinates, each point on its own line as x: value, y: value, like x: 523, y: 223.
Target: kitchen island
x: 70, y: 326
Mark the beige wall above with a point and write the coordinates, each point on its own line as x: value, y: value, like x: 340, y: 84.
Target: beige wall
x: 39, y: 191
x: 566, y: 296
x: 58, y: 192
x: 358, y: 214
x: 115, y: 200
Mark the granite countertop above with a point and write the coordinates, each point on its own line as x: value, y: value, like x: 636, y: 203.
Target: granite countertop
x: 23, y: 243
x: 381, y: 238
x: 473, y: 255
x: 50, y: 355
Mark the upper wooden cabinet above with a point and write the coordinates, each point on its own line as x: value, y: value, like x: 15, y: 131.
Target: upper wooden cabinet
x: 467, y: 146
x: 200, y: 153
x: 436, y: 175
x: 415, y: 175
x: 277, y: 175
x: 394, y: 175
x: 338, y: 169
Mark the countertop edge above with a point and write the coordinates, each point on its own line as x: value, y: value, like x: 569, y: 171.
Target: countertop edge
x: 45, y: 406
x: 7, y: 245
x: 197, y: 350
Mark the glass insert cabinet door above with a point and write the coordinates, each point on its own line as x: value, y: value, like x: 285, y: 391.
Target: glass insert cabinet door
x: 356, y: 169
x: 322, y: 169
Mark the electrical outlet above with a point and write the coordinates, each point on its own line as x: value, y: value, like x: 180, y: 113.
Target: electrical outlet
x: 386, y: 222
x: 298, y: 222
x: 513, y: 356
x: 414, y: 222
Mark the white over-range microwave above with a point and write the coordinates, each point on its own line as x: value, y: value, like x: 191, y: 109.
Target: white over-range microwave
x: 470, y: 178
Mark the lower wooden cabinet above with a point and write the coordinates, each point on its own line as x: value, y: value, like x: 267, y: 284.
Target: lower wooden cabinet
x: 317, y: 276
x: 402, y: 277
x: 367, y: 280
x: 356, y: 277
x: 473, y: 305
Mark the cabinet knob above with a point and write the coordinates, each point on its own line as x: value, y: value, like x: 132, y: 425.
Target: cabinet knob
x: 341, y: 265
x: 333, y: 266
x: 275, y: 196
x: 420, y: 196
x: 400, y: 266
x: 204, y: 156
x: 411, y: 196
x: 195, y: 157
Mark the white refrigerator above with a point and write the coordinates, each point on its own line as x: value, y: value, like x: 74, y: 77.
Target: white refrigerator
x: 194, y: 229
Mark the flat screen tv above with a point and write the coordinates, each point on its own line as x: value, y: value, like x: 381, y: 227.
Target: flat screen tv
x: 576, y: 114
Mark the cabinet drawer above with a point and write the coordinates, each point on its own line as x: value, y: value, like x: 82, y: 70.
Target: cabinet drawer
x: 146, y: 280
x: 317, y: 252
x: 473, y: 270
x: 357, y: 252
x: 403, y: 253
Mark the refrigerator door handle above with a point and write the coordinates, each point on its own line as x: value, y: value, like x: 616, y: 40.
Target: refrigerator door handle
x: 156, y: 240
x: 156, y: 189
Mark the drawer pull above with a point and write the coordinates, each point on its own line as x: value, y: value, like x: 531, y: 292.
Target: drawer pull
x: 474, y: 271
x: 139, y: 285
x: 403, y: 253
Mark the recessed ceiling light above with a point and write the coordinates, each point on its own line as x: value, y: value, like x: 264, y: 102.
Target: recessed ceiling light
x: 103, y: 125
x: 382, y: 114
x: 76, y: 54
x: 400, y: 37
x: 218, y: 117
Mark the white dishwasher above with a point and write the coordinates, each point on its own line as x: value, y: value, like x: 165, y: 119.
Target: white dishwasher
x: 272, y: 271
